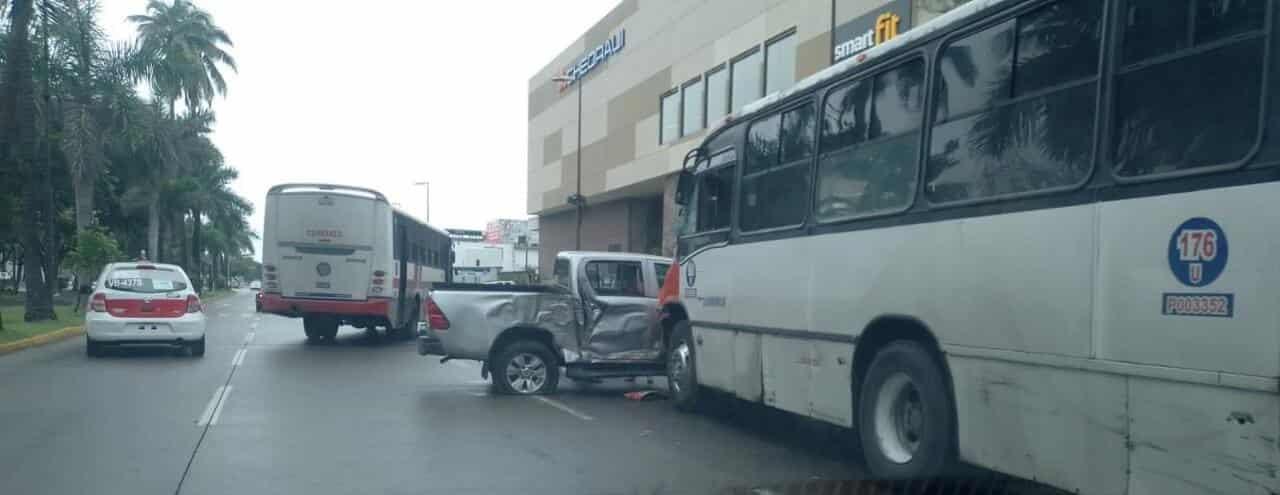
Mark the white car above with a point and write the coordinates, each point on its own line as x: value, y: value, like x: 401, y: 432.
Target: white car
x: 255, y: 285
x: 144, y: 304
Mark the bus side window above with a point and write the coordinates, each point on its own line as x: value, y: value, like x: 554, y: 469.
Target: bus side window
x: 1167, y: 80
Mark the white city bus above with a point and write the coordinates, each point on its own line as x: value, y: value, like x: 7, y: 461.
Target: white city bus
x: 1036, y: 236
x: 336, y: 255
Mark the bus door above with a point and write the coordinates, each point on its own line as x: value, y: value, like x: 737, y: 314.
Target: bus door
x: 619, y: 313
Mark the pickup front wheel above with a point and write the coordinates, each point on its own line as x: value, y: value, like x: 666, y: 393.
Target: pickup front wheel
x: 525, y: 368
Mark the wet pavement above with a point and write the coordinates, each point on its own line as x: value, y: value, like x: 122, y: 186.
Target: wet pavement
x: 265, y: 412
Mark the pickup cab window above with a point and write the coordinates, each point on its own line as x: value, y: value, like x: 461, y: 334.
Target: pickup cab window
x: 616, y: 278
x: 561, y: 273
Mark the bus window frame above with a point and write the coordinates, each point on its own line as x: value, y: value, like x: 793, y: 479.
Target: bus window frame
x: 926, y: 101
x: 1103, y: 79
x: 1113, y: 55
x: 810, y: 162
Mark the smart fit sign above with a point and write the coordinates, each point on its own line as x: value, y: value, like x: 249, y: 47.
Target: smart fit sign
x: 874, y: 28
x: 594, y: 58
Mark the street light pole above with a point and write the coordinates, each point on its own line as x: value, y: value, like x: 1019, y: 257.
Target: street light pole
x: 576, y: 199
x: 426, y: 217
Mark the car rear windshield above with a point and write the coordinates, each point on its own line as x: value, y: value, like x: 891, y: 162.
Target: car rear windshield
x: 146, y: 281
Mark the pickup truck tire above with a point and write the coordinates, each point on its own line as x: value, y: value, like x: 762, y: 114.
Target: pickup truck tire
x: 905, y: 414
x: 682, y: 372
x: 525, y: 367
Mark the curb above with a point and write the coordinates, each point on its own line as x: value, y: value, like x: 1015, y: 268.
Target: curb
x: 42, y: 339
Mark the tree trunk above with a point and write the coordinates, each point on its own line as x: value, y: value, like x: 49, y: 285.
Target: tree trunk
x: 196, y: 249
x: 153, y: 226
x: 84, y: 193
x: 181, y: 242
x: 19, y: 149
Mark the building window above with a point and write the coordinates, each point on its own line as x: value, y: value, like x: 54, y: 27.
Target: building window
x: 670, y: 118
x: 775, y: 174
x: 717, y: 94
x: 693, y: 110
x: 996, y: 130
x: 780, y: 63
x: 1170, y: 79
x: 870, y: 144
x: 746, y: 79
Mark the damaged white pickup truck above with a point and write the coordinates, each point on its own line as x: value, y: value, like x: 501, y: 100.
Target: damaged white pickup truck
x: 599, y: 319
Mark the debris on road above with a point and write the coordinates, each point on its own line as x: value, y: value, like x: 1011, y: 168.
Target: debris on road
x: 644, y: 395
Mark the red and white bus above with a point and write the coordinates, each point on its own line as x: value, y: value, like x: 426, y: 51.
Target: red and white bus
x: 335, y: 255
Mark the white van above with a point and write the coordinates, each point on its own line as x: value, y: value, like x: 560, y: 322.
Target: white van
x: 336, y: 255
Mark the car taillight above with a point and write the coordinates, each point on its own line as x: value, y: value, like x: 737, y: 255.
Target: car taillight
x: 436, y: 317
x: 193, y: 304
x: 99, y: 303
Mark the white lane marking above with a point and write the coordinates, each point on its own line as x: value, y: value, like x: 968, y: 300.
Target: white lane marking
x: 478, y: 394
x: 239, y: 359
x: 217, y: 413
x: 559, y: 405
x: 248, y: 337
x: 246, y: 315
x: 208, y: 410
x: 254, y: 325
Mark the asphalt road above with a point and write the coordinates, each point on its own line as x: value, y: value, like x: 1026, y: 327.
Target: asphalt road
x: 265, y: 412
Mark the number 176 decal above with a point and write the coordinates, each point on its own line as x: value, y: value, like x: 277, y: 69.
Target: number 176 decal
x: 1198, y: 252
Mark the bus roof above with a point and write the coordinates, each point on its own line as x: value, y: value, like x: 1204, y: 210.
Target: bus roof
x: 922, y: 31
x: 327, y: 188
x: 415, y: 219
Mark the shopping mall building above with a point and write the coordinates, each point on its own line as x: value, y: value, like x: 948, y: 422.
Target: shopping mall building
x: 613, y: 115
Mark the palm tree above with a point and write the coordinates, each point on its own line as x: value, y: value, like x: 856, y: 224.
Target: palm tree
x: 183, y: 53
x: 78, y: 40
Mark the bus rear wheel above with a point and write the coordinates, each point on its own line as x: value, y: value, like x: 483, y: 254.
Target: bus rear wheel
x: 320, y: 327
x: 905, y: 414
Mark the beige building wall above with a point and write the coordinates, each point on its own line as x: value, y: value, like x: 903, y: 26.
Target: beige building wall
x: 668, y: 43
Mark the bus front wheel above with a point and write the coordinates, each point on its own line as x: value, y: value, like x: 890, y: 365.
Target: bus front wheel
x: 905, y: 414
x: 682, y: 374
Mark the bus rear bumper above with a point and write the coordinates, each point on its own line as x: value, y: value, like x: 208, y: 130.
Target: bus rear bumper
x: 295, y: 307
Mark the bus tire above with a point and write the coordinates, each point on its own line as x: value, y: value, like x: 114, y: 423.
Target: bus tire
x: 682, y: 372
x: 310, y: 327
x: 905, y: 414
x: 526, y: 367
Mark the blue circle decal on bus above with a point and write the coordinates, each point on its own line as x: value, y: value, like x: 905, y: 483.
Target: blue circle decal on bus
x: 1198, y: 252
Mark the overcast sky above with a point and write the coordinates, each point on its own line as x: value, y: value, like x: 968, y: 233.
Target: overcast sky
x: 383, y: 93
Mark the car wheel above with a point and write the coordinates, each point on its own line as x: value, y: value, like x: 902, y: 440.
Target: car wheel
x: 197, y: 347
x: 905, y: 414
x: 526, y: 368
x: 92, y: 348
x: 682, y: 373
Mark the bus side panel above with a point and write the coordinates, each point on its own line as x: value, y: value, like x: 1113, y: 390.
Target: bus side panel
x: 714, y: 357
x: 1190, y: 438
x: 1063, y: 427
x: 747, y: 375
x: 1147, y: 288
x: 711, y: 272
x: 787, y: 373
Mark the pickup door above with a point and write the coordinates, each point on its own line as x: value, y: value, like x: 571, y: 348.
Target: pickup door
x: 620, y: 305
